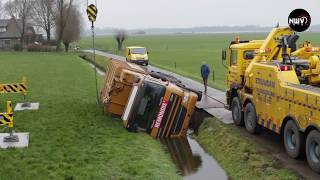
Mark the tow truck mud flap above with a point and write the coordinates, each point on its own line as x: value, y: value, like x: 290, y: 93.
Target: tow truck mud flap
x: 22, y: 137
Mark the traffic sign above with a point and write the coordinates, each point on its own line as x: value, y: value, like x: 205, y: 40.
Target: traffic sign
x: 92, y: 12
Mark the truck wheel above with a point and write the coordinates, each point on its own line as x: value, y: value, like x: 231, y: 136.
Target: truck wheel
x: 237, y: 114
x: 250, y: 118
x: 313, y: 150
x: 293, y: 139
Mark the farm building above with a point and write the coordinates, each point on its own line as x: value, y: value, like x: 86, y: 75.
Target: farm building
x: 10, y: 33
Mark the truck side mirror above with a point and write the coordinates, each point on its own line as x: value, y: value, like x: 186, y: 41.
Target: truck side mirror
x: 224, y: 55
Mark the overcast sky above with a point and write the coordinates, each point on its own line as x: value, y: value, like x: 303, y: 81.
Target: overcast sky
x: 131, y: 14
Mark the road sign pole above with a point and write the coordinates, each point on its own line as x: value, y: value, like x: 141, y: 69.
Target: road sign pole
x: 92, y: 15
x: 95, y: 63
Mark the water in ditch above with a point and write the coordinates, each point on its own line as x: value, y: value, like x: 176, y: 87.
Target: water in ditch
x: 191, y: 160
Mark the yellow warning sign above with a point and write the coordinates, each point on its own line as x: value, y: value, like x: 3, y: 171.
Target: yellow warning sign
x: 6, y: 118
x: 14, y: 87
x: 92, y: 12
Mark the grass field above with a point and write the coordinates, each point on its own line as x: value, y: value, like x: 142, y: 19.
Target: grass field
x: 70, y: 137
x: 239, y: 155
x: 186, y: 50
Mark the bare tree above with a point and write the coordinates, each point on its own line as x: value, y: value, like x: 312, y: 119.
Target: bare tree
x: 43, y: 15
x: 1, y: 11
x: 72, y: 30
x: 19, y: 10
x: 120, y: 36
x: 62, y: 18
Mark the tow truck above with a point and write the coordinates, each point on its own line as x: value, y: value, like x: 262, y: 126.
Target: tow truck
x: 275, y: 85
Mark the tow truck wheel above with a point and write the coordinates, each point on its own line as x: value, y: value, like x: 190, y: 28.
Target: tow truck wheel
x: 313, y: 150
x: 237, y: 114
x: 293, y: 139
x: 250, y: 118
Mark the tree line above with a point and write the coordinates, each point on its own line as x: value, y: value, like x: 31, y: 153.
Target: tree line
x: 59, y: 16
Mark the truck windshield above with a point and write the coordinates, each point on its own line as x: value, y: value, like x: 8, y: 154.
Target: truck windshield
x: 147, y: 105
x: 138, y: 51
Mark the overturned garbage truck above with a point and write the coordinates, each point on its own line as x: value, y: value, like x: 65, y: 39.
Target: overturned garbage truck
x: 147, y: 101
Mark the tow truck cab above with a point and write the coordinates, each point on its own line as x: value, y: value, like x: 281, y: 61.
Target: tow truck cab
x: 238, y: 56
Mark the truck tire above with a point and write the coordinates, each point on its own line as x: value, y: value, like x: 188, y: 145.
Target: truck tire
x: 293, y: 139
x: 237, y: 114
x: 250, y: 118
x: 313, y: 150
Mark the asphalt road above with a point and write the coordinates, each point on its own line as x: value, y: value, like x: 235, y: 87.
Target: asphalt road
x: 213, y: 103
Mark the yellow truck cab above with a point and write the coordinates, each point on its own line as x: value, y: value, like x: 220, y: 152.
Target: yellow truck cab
x: 137, y: 54
x: 240, y: 54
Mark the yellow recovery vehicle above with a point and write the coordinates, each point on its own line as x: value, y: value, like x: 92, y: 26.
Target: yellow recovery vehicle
x: 273, y: 84
x: 147, y: 101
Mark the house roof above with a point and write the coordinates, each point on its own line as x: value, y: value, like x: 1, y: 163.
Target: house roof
x: 4, y: 22
x: 12, y: 28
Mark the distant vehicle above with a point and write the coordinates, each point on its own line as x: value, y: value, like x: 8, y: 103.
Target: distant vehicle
x: 138, y: 55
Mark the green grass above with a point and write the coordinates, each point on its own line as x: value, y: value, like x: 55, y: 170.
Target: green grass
x: 70, y: 137
x: 186, y: 50
x: 239, y: 155
x: 101, y: 61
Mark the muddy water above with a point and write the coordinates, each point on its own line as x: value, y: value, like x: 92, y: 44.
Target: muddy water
x: 191, y: 159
